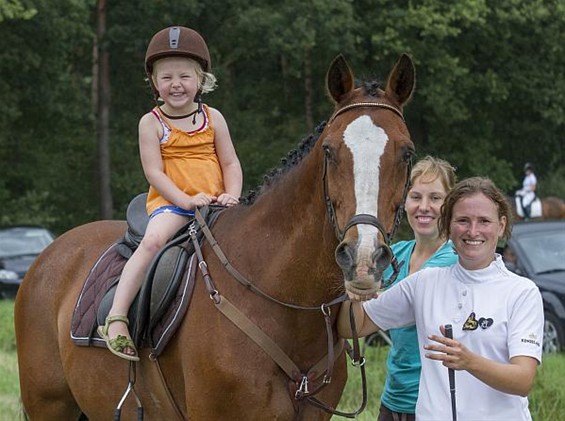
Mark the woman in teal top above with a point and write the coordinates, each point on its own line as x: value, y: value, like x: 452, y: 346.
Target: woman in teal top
x: 431, y: 179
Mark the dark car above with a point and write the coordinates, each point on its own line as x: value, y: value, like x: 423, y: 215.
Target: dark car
x: 537, y: 251
x: 19, y: 246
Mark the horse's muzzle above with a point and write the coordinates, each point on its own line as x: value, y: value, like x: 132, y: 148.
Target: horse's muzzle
x: 362, y: 267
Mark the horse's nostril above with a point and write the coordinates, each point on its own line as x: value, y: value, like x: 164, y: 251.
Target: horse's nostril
x: 382, y: 257
x: 344, y: 256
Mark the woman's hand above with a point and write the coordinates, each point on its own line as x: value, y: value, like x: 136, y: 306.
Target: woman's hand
x: 515, y: 377
x: 452, y: 353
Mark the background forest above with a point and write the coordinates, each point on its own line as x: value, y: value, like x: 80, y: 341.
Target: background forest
x: 490, y: 88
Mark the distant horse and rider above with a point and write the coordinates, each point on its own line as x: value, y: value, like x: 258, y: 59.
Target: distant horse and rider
x: 257, y: 339
x: 527, y: 204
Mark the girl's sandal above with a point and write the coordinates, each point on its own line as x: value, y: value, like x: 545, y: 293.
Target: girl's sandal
x: 120, y: 342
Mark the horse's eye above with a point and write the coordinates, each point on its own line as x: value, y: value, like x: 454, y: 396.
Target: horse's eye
x: 408, y: 155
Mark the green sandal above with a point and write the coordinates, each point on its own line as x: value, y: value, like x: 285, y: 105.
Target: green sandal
x: 120, y: 342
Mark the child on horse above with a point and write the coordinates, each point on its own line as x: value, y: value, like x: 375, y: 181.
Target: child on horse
x: 187, y: 156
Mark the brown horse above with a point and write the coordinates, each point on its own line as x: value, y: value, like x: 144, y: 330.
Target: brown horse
x: 322, y: 218
x: 549, y: 207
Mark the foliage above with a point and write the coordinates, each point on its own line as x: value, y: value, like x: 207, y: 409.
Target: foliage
x: 490, y: 93
x: 14, y: 9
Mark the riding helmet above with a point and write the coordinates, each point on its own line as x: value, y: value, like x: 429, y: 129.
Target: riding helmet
x: 528, y: 166
x: 177, y: 41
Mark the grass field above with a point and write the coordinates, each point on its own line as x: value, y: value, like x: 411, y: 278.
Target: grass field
x: 547, y: 400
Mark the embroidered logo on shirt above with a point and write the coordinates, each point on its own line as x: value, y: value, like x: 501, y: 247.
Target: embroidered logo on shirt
x: 485, y: 323
x: 472, y: 323
x: 532, y: 339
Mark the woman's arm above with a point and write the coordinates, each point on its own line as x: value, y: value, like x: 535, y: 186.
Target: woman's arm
x: 363, y: 323
x: 515, y: 377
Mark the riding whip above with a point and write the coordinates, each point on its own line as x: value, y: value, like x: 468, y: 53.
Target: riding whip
x: 451, y: 373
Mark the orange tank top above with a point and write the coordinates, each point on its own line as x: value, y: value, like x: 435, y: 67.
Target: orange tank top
x: 189, y: 160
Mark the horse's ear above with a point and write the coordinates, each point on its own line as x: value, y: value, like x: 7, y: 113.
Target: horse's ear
x: 339, y: 79
x: 401, y: 80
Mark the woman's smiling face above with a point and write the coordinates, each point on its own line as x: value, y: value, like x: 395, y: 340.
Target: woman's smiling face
x: 423, y: 205
x: 475, y: 230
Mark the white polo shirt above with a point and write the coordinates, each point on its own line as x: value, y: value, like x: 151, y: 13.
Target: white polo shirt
x: 494, y: 312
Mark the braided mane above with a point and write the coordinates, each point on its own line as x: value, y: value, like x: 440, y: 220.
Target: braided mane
x: 370, y: 88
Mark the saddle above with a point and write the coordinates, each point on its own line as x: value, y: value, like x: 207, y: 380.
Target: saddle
x: 165, y: 295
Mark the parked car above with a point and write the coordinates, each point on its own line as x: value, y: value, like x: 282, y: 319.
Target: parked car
x: 536, y: 250
x: 19, y: 246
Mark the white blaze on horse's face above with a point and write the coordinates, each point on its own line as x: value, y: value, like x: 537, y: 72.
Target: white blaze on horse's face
x: 367, y: 143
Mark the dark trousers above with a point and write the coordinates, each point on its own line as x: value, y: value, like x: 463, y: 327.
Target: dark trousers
x: 386, y: 414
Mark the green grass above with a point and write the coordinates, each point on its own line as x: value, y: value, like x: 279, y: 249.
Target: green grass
x: 9, y: 383
x: 547, y: 400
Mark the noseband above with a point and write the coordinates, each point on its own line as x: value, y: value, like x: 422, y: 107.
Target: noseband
x: 363, y: 218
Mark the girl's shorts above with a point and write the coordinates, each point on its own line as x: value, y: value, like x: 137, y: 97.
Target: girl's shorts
x: 173, y: 209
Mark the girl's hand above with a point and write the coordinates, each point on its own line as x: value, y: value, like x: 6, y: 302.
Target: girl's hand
x: 199, y: 200
x: 226, y: 199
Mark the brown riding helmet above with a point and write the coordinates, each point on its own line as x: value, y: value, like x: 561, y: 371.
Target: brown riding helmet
x: 176, y: 41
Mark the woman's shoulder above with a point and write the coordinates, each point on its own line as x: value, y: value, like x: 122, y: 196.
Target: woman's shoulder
x: 402, y: 245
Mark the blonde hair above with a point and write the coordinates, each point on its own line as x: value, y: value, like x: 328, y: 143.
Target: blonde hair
x: 432, y: 168
x: 207, y: 82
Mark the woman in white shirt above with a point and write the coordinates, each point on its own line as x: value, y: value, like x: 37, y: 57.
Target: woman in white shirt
x: 497, y: 316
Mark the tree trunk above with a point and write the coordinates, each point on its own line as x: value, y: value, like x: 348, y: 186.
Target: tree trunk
x: 103, y: 113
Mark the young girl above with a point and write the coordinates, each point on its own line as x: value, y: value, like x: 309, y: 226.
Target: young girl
x: 188, y: 159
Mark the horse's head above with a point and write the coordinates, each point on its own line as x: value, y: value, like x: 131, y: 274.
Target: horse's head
x: 368, y: 151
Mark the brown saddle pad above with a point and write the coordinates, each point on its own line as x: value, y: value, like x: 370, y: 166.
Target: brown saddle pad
x: 103, y: 276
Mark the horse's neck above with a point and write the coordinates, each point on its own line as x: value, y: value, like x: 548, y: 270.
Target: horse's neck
x: 285, y: 238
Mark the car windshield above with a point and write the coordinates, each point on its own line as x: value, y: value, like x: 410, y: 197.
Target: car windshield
x: 546, y: 251
x: 23, y: 241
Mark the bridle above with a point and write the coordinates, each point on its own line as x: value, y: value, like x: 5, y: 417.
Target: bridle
x: 304, y: 385
x: 363, y: 218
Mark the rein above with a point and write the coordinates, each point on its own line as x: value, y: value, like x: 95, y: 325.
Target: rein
x: 303, y: 382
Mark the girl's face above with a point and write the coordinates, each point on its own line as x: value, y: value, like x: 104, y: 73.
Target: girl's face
x: 177, y: 81
x: 423, y: 204
x: 475, y: 230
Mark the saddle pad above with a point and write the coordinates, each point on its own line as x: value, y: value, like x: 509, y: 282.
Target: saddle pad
x: 103, y: 275
x: 535, y: 210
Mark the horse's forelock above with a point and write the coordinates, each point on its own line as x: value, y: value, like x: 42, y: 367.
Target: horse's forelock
x: 373, y: 87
